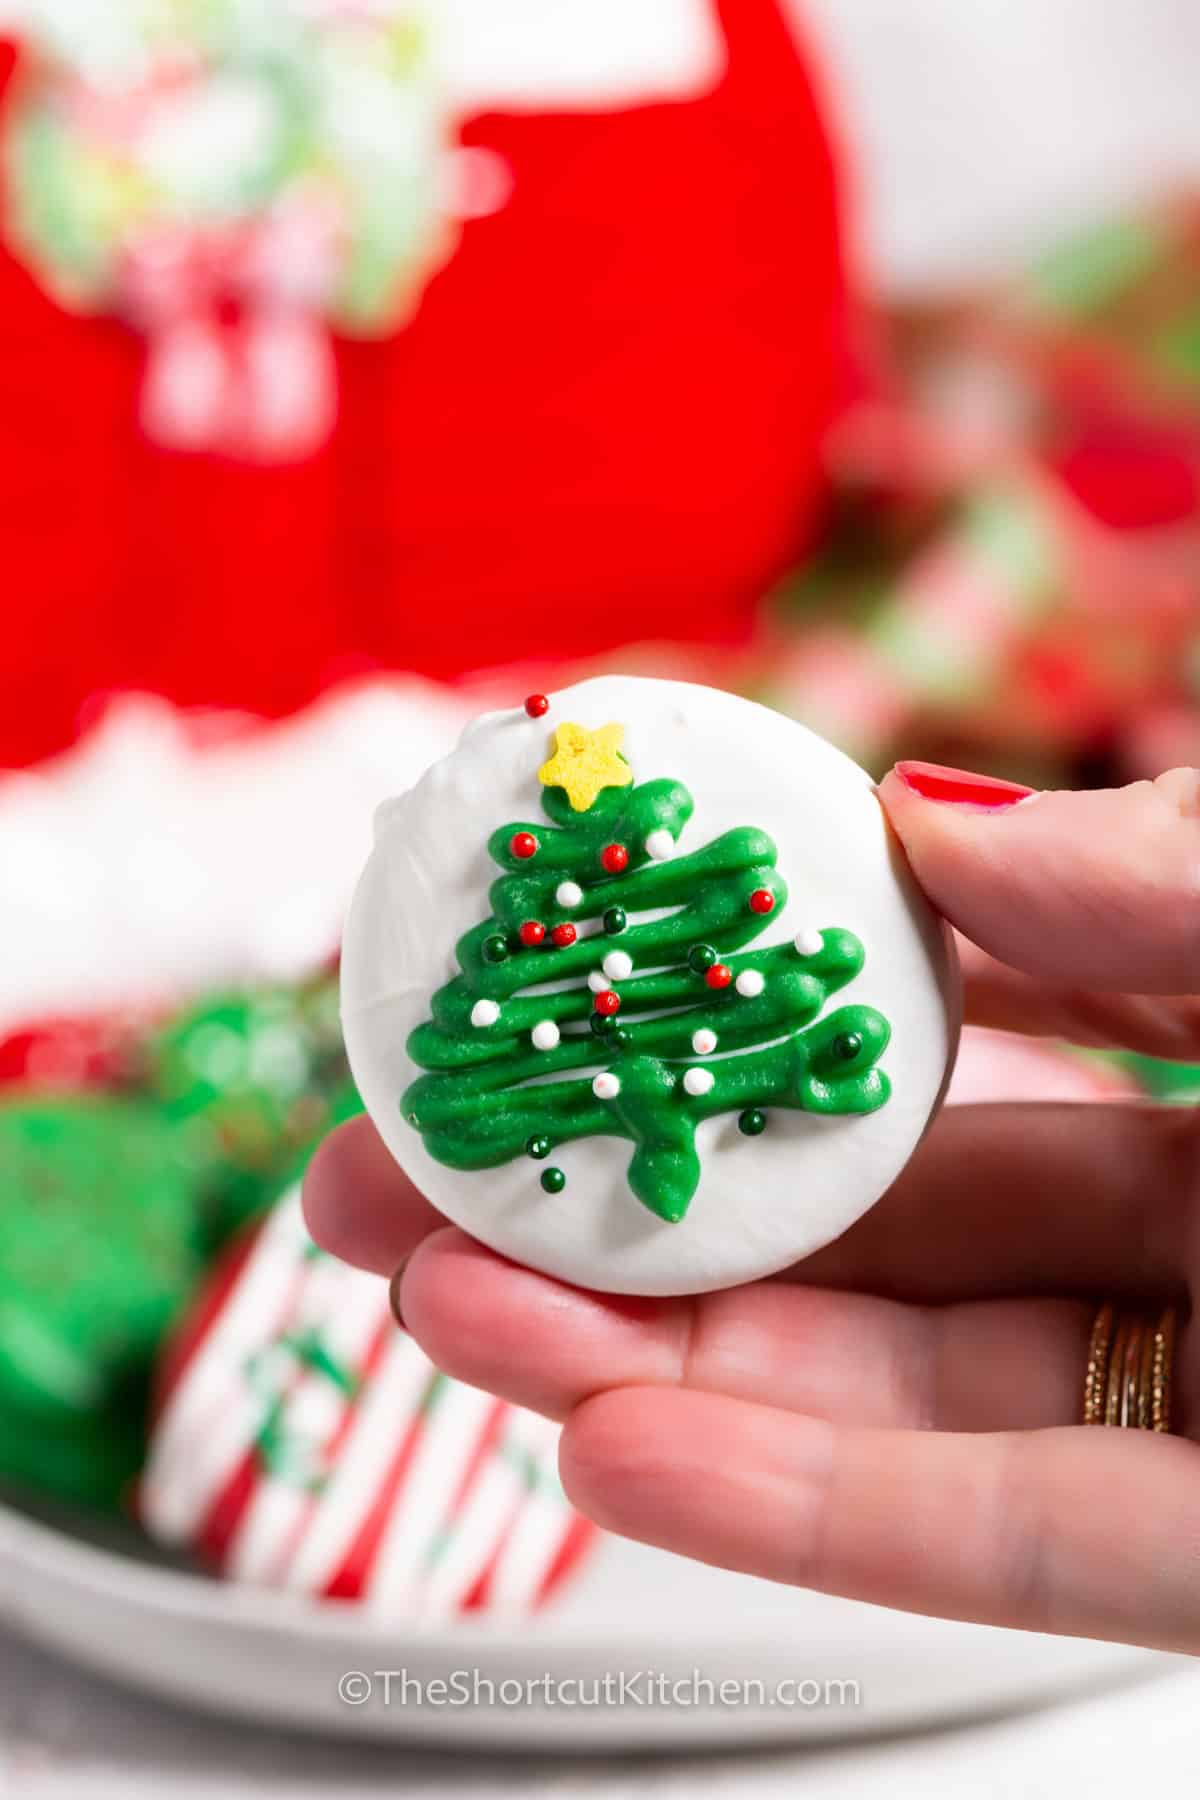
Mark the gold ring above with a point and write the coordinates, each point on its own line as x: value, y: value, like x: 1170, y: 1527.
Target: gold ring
x: 1130, y: 1362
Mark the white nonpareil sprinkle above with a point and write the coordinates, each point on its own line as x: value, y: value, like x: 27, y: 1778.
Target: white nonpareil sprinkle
x: 704, y: 1041
x: 484, y: 1012
x: 545, y: 1035
x: 808, y: 942
x: 606, y: 1086
x: 698, y: 1081
x: 598, y: 981
x: 750, y: 983
x: 618, y: 964
x: 660, y: 845
x: 568, y: 893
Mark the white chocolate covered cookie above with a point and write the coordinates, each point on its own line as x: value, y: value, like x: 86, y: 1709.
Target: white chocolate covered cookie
x: 639, y: 990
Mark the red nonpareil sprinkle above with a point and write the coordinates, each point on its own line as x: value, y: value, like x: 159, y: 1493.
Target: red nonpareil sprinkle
x: 762, y: 900
x: 614, y: 859
x: 532, y: 932
x: 607, y: 1003
x: 536, y: 705
x: 523, y: 844
x: 562, y: 935
x: 719, y: 976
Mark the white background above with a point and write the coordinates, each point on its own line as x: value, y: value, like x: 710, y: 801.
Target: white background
x: 983, y: 126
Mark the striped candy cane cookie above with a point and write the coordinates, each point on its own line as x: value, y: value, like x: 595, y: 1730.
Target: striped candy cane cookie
x: 302, y: 1441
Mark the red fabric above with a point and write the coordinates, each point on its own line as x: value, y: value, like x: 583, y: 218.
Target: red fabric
x: 602, y: 425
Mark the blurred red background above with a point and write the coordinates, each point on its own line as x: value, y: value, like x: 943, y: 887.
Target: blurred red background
x: 603, y: 424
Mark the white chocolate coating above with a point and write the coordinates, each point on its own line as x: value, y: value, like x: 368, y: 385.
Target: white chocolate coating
x: 762, y: 1202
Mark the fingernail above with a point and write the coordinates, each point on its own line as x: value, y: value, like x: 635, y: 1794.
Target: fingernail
x: 959, y: 787
x: 394, y: 1293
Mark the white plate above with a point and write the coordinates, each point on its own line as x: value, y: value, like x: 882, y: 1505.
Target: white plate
x: 115, y: 847
x: 278, y: 1660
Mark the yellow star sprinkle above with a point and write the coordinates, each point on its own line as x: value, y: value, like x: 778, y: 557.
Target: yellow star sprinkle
x: 584, y: 762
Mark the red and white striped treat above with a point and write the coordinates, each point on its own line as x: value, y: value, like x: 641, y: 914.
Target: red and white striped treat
x: 302, y: 1441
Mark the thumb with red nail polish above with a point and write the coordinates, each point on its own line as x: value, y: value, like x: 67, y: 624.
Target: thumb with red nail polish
x: 1099, y: 889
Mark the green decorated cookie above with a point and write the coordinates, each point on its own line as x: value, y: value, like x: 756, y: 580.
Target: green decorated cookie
x: 99, y: 1249
x: 253, y: 1080
x: 639, y: 991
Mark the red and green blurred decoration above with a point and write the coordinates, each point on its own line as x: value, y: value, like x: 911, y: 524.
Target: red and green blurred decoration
x: 131, y: 1151
x: 1013, y: 574
x: 252, y: 1080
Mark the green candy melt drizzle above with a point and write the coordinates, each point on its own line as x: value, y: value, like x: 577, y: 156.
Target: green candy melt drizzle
x: 485, y: 1094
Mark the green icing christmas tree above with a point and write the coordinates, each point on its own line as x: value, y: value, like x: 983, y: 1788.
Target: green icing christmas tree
x: 662, y: 1021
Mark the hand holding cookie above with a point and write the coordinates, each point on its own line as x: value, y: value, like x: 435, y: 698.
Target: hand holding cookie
x: 898, y: 1420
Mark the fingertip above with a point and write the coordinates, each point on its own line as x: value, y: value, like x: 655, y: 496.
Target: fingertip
x: 487, y: 1321
x: 443, y: 1292
x: 433, y: 1294
x: 321, y: 1188
x: 1098, y: 887
x: 935, y: 822
x: 962, y: 788
x: 607, y: 1459
x: 358, y: 1203
x: 534, y: 1340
